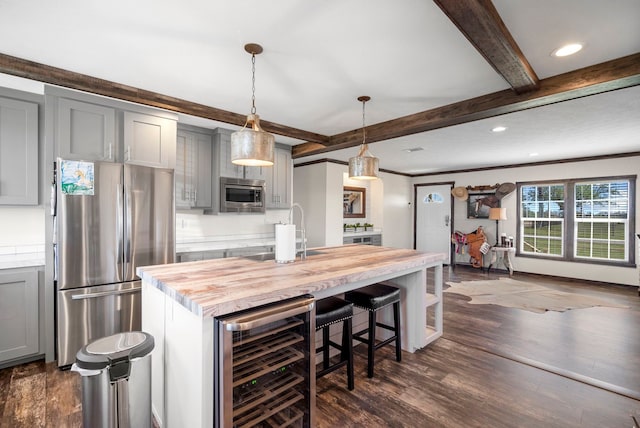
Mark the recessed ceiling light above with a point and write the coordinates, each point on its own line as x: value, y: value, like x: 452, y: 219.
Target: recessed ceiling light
x: 533, y: 154
x: 499, y: 129
x: 567, y: 50
x: 415, y: 149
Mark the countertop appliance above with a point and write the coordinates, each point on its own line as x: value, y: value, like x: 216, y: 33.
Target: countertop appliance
x: 265, y: 366
x: 109, y: 218
x: 242, y: 195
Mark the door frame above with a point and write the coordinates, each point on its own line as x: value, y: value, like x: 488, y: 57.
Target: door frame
x: 415, y: 212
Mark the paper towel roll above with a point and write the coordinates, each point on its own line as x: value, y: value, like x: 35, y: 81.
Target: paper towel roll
x: 285, y: 243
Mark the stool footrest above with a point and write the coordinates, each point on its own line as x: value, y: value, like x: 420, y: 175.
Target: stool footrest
x: 336, y: 366
x: 385, y: 342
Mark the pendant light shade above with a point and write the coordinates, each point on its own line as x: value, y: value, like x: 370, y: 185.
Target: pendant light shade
x: 364, y: 166
x: 251, y: 146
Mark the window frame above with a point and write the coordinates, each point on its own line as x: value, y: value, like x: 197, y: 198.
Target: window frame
x: 570, y: 223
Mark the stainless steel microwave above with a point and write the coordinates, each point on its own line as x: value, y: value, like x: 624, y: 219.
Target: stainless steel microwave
x: 239, y: 195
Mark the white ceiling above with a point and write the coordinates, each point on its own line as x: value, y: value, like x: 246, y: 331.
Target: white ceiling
x: 320, y: 56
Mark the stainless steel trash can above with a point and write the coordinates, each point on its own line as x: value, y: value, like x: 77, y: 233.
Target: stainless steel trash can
x: 116, y: 381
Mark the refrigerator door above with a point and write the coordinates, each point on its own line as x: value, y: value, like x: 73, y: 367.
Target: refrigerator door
x: 89, y: 313
x: 90, y: 227
x: 149, y: 218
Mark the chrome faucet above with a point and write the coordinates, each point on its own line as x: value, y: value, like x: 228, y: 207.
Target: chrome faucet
x: 303, y: 233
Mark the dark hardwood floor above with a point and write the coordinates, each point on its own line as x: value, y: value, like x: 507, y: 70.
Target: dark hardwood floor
x: 493, y: 367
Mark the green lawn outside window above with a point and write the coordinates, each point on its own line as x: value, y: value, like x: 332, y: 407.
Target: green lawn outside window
x: 577, y: 219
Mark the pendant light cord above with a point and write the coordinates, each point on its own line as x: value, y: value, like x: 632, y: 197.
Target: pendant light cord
x: 364, y: 131
x: 364, y: 149
x: 253, y: 83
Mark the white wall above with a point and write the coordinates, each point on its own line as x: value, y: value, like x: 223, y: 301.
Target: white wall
x: 315, y: 188
x: 397, y: 222
x: 587, y: 169
x: 309, y: 189
x: 318, y: 187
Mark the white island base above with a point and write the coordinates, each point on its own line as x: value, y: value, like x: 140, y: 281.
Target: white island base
x: 180, y: 301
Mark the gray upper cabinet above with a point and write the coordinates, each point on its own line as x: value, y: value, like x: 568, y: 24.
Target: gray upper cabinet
x: 193, y: 169
x: 19, y: 335
x: 279, y: 179
x: 18, y: 152
x: 92, y: 128
x: 222, y: 155
x: 149, y: 140
x: 86, y: 131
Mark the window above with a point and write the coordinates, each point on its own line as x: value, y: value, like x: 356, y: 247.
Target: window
x: 602, y: 220
x: 578, y: 220
x: 542, y: 219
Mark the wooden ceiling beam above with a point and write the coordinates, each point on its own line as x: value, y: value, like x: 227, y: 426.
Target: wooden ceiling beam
x: 69, y: 79
x: 481, y: 24
x: 608, y: 76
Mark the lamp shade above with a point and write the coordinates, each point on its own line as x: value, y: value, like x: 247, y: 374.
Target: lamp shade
x: 497, y: 213
x: 363, y: 167
x: 252, y: 146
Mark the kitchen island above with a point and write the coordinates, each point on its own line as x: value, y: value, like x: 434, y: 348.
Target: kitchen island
x: 180, y: 301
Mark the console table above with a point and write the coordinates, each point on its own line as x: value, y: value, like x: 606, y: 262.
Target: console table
x: 504, y: 255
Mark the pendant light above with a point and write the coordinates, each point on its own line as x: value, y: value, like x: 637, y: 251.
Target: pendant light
x: 365, y: 165
x: 251, y: 146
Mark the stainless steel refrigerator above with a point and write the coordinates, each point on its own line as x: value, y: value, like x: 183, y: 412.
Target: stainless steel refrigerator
x: 109, y: 219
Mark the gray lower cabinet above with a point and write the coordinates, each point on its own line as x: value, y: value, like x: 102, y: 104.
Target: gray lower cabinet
x: 279, y: 179
x: 193, y: 169
x: 19, y: 314
x: 375, y: 239
x: 86, y: 131
x: 18, y: 152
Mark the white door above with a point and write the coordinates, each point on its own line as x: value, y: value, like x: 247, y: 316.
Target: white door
x: 433, y: 219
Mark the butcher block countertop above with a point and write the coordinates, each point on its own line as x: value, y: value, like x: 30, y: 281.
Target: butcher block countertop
x: 217, y: 287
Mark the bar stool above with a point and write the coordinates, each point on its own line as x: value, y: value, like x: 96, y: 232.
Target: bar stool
x: 372, y: 298
x: 329, y: 311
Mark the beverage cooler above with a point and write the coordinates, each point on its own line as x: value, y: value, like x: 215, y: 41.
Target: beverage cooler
x: 265, y: 366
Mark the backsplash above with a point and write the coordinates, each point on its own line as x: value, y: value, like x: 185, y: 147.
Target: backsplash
x: 197, y: 227
x: 22, y: 226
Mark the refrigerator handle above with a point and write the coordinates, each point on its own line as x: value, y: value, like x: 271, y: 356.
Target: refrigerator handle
x: 104, y: 294
x: 123, y: 226
x: 53, y: 195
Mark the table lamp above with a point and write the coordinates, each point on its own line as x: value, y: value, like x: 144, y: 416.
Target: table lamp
x: 497, y: 214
